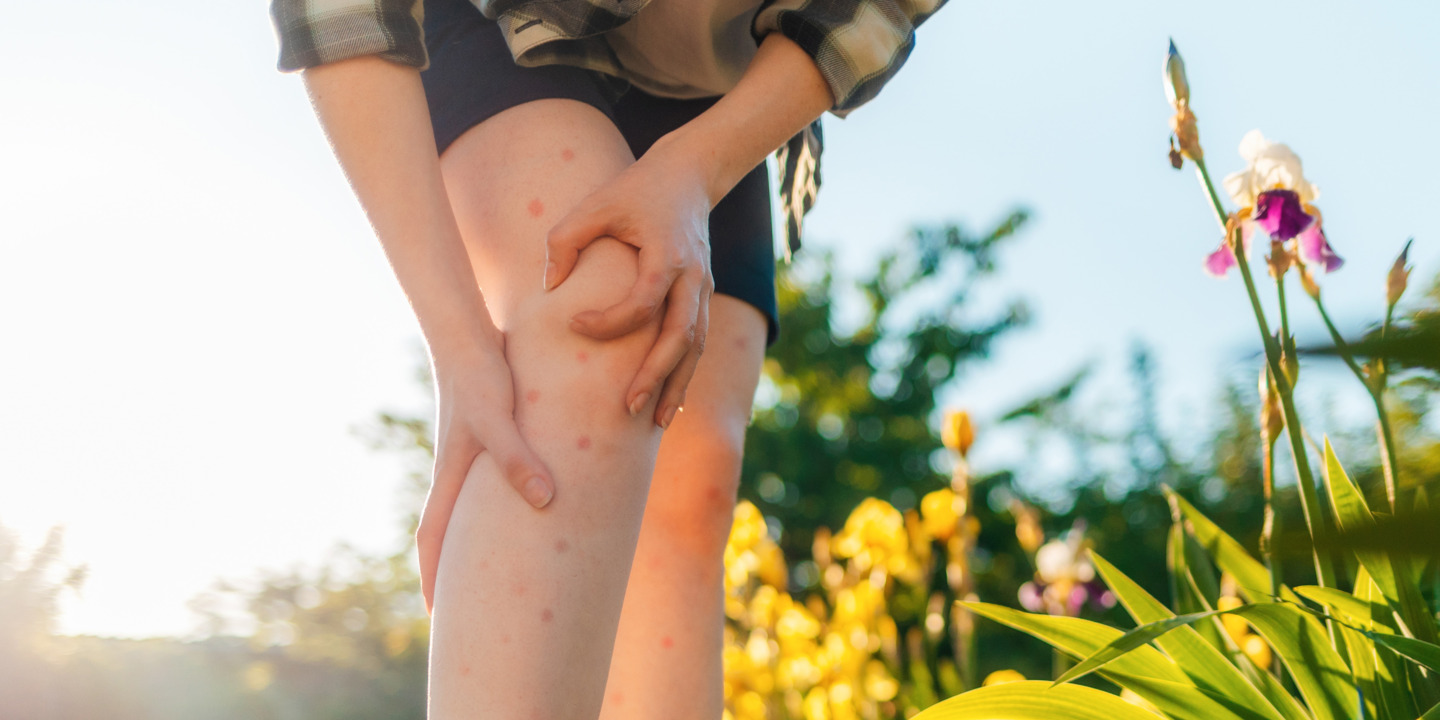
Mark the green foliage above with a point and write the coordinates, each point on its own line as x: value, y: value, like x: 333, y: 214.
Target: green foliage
x: 1343, y: 668
x: 846, y: 416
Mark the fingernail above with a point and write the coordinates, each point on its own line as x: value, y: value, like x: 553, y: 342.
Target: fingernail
x: 549, y: 274
x: 537, y: 492
x: 639, y: 403
x: 668, y: 418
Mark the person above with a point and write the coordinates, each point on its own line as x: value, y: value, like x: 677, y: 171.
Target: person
x: 572, y: 194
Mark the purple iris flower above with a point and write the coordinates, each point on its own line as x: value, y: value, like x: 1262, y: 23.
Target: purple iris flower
x: 1280, y: 214
x: 1219, y: 262
x: 1315, y: 249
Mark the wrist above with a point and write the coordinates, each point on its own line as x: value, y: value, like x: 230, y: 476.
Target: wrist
x: 453, y: 352
x: 693, y: 157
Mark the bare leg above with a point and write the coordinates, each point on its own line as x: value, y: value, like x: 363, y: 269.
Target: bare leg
x: 667, y: 662
x: 527, y: 602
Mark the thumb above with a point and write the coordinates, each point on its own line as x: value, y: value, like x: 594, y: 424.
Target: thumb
x: 519, y: 465
x: 563, y: 244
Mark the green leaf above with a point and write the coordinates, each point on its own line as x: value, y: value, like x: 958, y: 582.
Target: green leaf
x: 1350, y: 608
x: 1411, y: 649
x: 1197, y: 658
x: 1321, y: 676
x: 1362, y: 663
x: 1132, y: 640
x: 1185, y: 590
x: 1352, y: 515
x: 1146, y: 672
x: 1230, y: 555
x: 1035, y: 700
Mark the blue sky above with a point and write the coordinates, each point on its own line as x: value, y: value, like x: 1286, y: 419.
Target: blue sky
x: 197, y: 315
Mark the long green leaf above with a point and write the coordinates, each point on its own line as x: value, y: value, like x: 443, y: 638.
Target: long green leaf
x: 1350, y: 608
x: 1322, y: 677
x: 1320, y: 674
x: 1035, y: 700
x: 1147, y: 672
x: 1353, y: 515
x: 1229, y: 554
x: 1197, y: 658
x: 1186, y: 595
x: 1411, y: 649
x: 1362, y: 663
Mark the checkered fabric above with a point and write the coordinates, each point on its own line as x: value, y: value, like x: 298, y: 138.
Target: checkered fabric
x: 858, y: 45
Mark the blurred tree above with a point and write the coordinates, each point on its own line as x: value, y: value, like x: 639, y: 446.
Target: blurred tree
x: 847, y: 414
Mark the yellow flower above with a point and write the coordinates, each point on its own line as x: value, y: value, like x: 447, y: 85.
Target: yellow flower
x: 958, y: 432
x: 1234, y: 624
x: 941, y: 515
x: 1000, y: 677
x: 1258, y: 650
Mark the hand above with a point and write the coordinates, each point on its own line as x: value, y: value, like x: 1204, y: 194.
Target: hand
x: 659, y: 205
x: 476, y: 400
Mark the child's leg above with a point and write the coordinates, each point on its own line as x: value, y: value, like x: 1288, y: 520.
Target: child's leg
x: 667, y: 663
x: 527, y: 601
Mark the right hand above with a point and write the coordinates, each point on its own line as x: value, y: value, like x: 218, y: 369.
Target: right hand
x: 476, y: 403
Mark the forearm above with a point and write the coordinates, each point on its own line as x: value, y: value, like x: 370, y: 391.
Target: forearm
x: 375, y: 115
x: 780, y: 94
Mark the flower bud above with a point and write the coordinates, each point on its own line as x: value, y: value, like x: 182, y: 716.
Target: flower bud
x: 1177, y: 88
x: 1307, y: 281
x: 1272, y: 418
x: 958, y: 433
x: 1399, y: 276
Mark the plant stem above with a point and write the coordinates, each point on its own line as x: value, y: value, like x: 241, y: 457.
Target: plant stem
x: 1386, y: 436
x: 1309, y: 498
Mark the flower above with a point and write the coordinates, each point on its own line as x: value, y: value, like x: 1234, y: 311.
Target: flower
x: 1315, y: 249
x: 1219, y: 262
x: 1270, y: 166
x: 958, y: 432
x: 1064, y: 578
x: 1274, y: 196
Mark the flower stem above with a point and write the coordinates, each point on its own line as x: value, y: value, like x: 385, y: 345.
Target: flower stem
x: 1309, y: 498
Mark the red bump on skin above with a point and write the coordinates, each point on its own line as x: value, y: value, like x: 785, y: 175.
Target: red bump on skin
x: 740, y: 343
x: 464, y: 669
x: 567, y: 154
x: 519, y: 590
x: 546, y: 615
x: 582, y: 356
x: 667, y: 642
x: 713, y: 493
x: 532, y: 396
x: 583, y: 443
x: 536, y: 208
x: 504, y: 639
x: 562, y: 545
x: 617, y: 698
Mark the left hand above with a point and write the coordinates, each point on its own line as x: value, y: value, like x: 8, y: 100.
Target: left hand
x: 660, y: 205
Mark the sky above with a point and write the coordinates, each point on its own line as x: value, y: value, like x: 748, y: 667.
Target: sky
x: 195, y: 317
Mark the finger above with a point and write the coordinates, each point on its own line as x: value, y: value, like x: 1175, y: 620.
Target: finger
x: 518, y: 464
x: 655, y: 279
x: 451, y: 465
x: 564, y: 242
x: 672, y: 398
x: 676, y: 338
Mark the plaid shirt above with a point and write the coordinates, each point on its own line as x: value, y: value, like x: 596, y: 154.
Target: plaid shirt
x: 858, y: 45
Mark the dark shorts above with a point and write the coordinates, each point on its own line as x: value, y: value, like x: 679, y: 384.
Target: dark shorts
x: 472, y: 77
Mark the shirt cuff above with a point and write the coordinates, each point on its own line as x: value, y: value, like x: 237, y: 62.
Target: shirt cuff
x: 857, y: 45
x: 316, y: 32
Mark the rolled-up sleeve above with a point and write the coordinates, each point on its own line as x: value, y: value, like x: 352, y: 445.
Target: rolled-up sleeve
x: 315, y: 32
x: 857, y: 44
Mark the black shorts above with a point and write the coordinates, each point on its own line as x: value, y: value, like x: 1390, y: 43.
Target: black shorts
x: 472, y: 77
